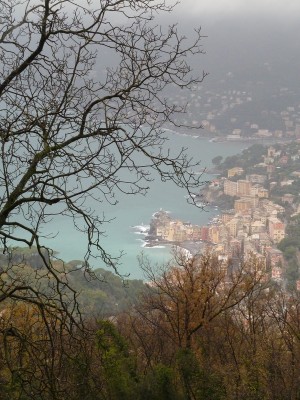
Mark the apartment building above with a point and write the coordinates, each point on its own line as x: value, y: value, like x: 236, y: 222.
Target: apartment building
x: 235, y: 171
x: 243, y: 187
x: 276, y: 229
x: 242, y: 204
x: 230, y: 188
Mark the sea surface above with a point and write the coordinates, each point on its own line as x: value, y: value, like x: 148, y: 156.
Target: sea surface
x: 133, y: 213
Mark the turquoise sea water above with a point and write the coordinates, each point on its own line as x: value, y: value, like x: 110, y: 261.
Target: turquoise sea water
x: 137, y: 210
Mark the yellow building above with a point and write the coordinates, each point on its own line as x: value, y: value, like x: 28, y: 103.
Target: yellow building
x: 243, y: 188
x: 228, y: 217
x: 254, y: 201
x: 263, y: 193
x: 214, y: 234
x: 242, y: 204
x: 230, y: 188
x: 233, y: 226
x: 234, y: 171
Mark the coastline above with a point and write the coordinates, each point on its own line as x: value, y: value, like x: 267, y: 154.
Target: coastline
x: 224, y: 139
x: 190, y: 247
x: 133, y: 211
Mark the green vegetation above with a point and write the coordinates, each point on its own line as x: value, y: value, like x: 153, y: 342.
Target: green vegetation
x: 247, y: 159
x: 224, y: 201
x: 290, y: 246
x: 102, y: 294
x: 186, y: 337
x: 217, y: 160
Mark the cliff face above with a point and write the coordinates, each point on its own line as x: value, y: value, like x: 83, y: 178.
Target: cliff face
x: 211, y: 195
x: 160, y: 218
x: 216, y: 197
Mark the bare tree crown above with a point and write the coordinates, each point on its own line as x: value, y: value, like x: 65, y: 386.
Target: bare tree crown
x: 72, y: 121
x: 83, y: 102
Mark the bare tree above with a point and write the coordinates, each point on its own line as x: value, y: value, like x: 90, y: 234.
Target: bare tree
x: 71, y: 124
x: 83, y: 102
x: 190, y: 294
x: 185, y: 298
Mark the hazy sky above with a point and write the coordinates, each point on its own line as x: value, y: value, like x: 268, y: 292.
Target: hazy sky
x: 241, y: 34
x: 225, y: 7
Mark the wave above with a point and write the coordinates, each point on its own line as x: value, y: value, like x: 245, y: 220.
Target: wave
x: 145, y: 245
x: 141, y: 229
x: 159, y: 246
x: 168, y: 130
x: 143, y: 242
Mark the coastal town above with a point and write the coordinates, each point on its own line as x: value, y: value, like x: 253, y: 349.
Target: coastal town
x: 240, y: 111
x: 255, y: 218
